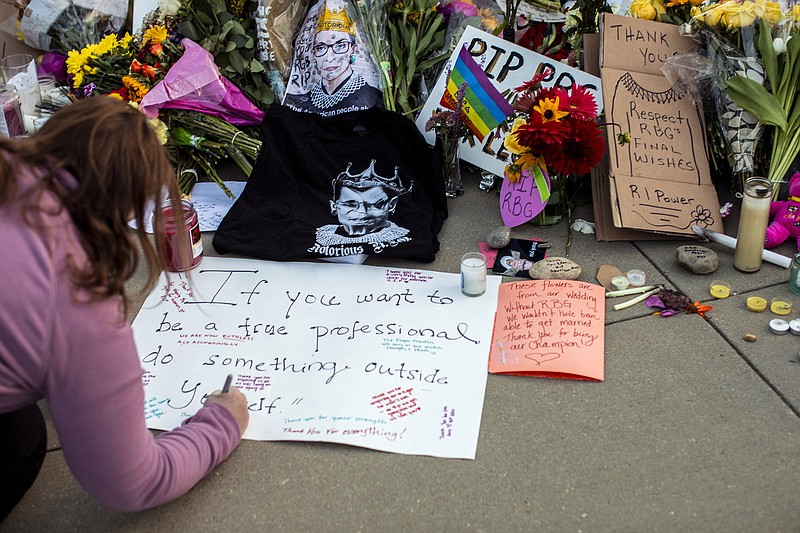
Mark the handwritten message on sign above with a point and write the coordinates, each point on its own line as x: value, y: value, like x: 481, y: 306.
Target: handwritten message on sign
x: 661, y: 180
x: 389, y: 359
x: 508, y: 66
x: 550, y: 328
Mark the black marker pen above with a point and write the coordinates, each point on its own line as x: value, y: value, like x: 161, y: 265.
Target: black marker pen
x: 227, y: 386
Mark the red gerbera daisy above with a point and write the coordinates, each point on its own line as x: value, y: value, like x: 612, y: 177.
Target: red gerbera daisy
x: 580, y: 150
x: 540, y: 136
x: 580, y: 103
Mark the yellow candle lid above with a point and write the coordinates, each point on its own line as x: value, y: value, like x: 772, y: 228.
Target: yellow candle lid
x: 757, y: 304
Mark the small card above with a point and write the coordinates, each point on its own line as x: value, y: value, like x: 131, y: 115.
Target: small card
x: 518, y: 257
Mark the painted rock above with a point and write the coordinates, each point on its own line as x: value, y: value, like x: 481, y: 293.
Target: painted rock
x: 555, y: 268
x: 497, y: 238
x: 697, y: 259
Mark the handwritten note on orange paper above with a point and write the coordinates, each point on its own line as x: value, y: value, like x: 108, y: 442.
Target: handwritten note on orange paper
x: 550, y: 328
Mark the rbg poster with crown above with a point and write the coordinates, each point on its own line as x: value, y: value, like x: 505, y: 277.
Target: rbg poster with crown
x: 332, y: 72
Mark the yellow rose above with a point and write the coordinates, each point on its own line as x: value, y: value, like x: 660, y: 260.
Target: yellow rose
x: 772, y: 13
x: 712, y: 16
x: 660, y: 8
x: 643, y: 9
x: 738, y: 15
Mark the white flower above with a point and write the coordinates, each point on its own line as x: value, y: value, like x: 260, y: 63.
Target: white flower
x: 169, y: 7
x: 779, y: 45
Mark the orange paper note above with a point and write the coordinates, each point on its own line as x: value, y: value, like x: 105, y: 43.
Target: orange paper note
x: 550, y: 328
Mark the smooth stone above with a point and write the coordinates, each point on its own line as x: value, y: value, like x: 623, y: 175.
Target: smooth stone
x: 497, y: 238
x: 697, y: 259
x: 555, y: 268
x: 606, y: 273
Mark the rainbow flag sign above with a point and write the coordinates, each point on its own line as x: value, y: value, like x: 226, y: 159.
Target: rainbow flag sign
x: 483, y: 107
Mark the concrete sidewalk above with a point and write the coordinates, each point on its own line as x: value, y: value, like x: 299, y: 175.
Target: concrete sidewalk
x: 694, y: 429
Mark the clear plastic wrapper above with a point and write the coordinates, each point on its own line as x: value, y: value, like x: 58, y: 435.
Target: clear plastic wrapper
x: 704, y: 74
x: 371, y: 16
x: 64, y: 25
x: 276, y: 23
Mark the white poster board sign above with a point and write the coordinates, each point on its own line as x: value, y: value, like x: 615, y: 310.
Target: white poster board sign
x: 389, y: 359
x: 508, y: 66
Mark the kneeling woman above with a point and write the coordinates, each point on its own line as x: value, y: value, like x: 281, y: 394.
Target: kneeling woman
x: 66, y: 194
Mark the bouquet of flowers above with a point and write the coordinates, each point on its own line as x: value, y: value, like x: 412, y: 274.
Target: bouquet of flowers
x: 727, y: 36
x: 776, y: 105
x: 371, y: 16
x: 450, y: 129
x: 671, y: 12
x: 416, y: 31
x: 126, y: 68
x: 138, y: 68
x: 554, y: 136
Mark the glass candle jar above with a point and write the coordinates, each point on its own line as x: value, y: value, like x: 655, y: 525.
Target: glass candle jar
x: 473, y: 274
x: 183, y: 249
x: 794, y: 275
x: 752, y: 224
x: 12, y: 123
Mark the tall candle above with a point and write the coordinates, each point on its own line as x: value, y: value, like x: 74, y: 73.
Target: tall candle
x: 752, y: 224
x: 473, y: 274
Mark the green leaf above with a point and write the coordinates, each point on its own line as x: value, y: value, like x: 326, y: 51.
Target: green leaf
x: 768, y: 56
x: 237, y: 29
x: 188, y: 30
x: 405, y: 33
x: 225, y: 17
x: 753, y: 97
x: 787, y: 92
x: 226, y: 28
x: 236, y: 62
x: 426, y: 39
x: 428, y: 63
x: 204, y: 19
x: 230, y: 47
x: 255, y: 66
x: 240, y: 40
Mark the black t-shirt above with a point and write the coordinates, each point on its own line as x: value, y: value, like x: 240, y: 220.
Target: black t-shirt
x: 363, y: 182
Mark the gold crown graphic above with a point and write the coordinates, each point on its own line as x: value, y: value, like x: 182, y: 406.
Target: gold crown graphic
x: 335, y: 20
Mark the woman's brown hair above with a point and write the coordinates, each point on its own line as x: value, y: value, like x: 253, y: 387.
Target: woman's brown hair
x: 115, y: 155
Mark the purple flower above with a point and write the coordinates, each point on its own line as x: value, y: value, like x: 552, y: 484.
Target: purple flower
x: 89, y: 89
x: 464, y: 8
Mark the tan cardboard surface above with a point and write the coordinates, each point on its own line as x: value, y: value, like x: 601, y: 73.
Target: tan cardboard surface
x: 639, y: 45
x: 605, y: 229
x: 660, y: 181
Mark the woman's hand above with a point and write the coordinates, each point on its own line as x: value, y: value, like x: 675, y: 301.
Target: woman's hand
x: 235, y: 402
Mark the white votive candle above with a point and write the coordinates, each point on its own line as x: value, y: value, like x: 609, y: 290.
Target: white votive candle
x: 473, y: 274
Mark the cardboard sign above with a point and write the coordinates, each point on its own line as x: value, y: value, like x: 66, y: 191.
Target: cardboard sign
x: 661, y: 180
x: 550, y: 328
x: 389, y: 359
x: 508, y: 66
